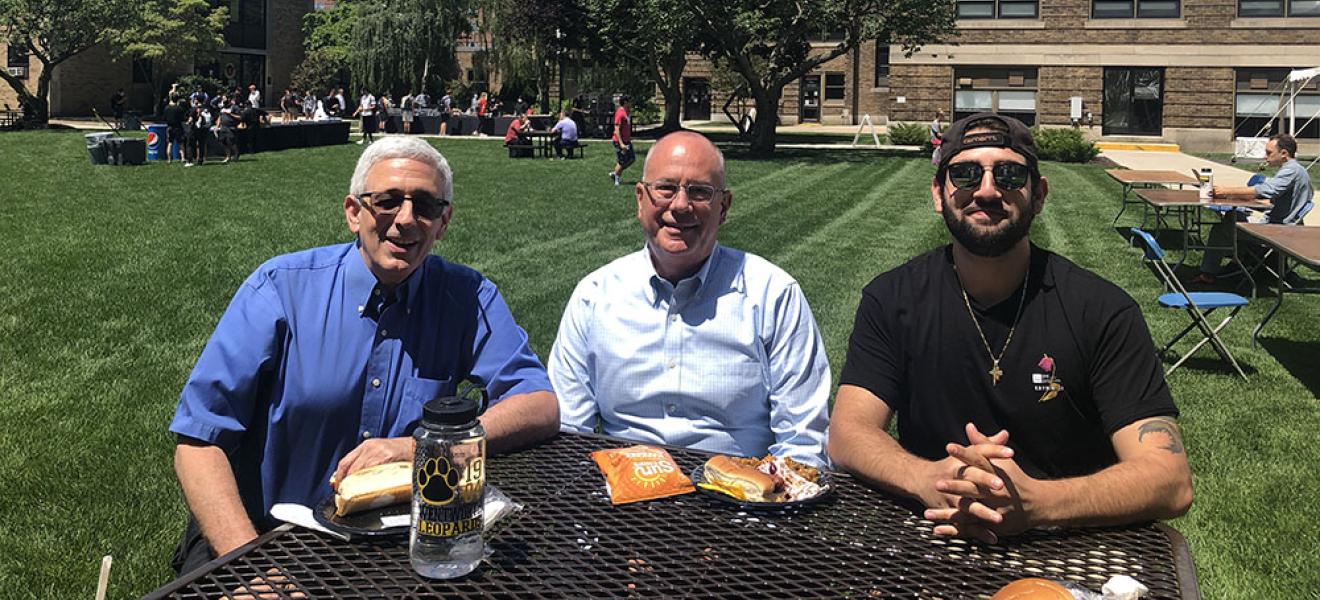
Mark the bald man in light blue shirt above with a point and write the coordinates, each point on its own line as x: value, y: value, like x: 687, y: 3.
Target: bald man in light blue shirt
x: 689, y: 343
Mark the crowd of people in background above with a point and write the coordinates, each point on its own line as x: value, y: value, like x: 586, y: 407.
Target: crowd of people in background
x: 194, y: 119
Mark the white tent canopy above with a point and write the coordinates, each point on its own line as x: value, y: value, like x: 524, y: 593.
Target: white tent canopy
x: 1289, y: 106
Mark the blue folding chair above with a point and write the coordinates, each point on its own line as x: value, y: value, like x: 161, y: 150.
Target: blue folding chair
x: 1197, y: 305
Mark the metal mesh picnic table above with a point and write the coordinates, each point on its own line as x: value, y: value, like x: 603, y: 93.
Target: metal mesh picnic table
x: 570, y: 541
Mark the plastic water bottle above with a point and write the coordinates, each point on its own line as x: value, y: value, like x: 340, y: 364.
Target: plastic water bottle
x: 449, y: 487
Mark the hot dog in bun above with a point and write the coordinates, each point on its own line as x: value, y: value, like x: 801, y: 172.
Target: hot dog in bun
x: 373, y: 487
x: 741, y: 480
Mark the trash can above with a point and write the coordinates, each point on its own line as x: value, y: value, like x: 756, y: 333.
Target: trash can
x: 132, y: 151
x: 156, y: 141
x: 96, y: 147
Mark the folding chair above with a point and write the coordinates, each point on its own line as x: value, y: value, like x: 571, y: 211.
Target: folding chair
x: 1198, y: 306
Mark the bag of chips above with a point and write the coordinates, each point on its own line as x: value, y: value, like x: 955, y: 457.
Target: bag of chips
x: 639, y: 473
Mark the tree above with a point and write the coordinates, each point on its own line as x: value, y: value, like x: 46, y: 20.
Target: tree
x: 652, y: 35
x: 530, y: 36
x: 174, y: 35
x: 53, y: 32
x: 407, y: 43
x: 769, y: 42
x: 328, y: 44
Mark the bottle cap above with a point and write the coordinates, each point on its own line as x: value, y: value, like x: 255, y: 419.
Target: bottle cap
x: 451, y: 410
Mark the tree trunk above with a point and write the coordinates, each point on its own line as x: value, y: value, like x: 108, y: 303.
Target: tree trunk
x: 767, y: 118
x: 673, y: 107
x: 671, y: 88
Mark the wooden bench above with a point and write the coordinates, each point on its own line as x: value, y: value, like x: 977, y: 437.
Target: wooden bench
x: 579, y: 147
x: 521, y: 150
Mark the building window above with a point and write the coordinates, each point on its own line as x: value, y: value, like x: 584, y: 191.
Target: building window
x: 881, y: 64
x: 142, y: 70
x: 1009, y: 91
x: 1139, y: 9
x: 998, y: 9
x: 1279, y: 8
x: 247, y: 23
x: 834, y: 86
x: 1259, y: 110
x: 17, y: 62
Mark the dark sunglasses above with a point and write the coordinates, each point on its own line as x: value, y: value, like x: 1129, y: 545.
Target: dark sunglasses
x: 1007, y: 175
x: 389, y: 203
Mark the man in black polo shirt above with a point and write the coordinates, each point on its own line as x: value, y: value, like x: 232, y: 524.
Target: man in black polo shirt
x: 1027, y: 389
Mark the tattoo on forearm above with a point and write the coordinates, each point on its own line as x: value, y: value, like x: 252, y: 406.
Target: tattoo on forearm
x: 1164, y: 432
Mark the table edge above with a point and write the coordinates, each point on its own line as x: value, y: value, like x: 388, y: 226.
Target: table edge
x: 1276, y: 244
x: 185, y: 579
x: 1183, y: 566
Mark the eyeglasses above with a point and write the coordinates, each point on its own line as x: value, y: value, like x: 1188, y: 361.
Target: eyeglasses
x: 663, y: 193
x: 1007, y: 175
x: 389, y: 203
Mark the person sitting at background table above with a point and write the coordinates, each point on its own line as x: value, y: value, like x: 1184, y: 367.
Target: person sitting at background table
x: 567, y: 134
x: 1080, y: 431
x: 516, y: 135
x: 688, y: 342
x: 1289, y: 191
x: 323, y: 360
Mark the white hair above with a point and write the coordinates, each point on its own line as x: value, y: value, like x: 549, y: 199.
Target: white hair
x: 392, y: 147
x: 646, y: 164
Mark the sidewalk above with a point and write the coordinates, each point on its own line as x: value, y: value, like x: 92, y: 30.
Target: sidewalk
x: 1182, y: 163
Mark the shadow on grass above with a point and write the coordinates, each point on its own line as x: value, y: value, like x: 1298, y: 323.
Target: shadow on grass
x: 1298, y: 358
x: 1206, y: 361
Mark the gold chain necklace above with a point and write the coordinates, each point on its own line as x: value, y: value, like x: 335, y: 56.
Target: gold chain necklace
x: 995, y: 371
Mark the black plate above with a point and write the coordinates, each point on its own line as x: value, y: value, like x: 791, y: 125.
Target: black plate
x: 366, y: 523
x: 698, y: 476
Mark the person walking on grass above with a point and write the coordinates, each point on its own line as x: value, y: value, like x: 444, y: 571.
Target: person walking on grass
x: 622, y: 140
x: 225, y: 124
x: 367, y: 110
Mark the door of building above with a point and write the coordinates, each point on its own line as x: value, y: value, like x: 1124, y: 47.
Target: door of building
x: 1134, y: 101
x: 810, y: 99
x: 696, y: 99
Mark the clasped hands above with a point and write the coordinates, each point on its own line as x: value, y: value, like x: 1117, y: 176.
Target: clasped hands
x: 979, y: 491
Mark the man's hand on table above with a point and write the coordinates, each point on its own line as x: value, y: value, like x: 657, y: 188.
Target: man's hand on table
x: 374, y: 452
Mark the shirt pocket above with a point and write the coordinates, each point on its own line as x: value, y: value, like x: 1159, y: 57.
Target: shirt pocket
x: 417, y: 391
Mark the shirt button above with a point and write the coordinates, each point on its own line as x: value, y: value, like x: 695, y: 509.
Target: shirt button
x: 361, y: 308
x: 672, y: 364
x: 383, y: 332
x: 366, y: 435
x: 673, y: 319
x: 375, y: 382
x: 376, y: 291
x: 673, y: 408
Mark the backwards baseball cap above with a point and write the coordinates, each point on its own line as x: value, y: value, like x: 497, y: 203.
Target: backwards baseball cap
x: 1015, y: 136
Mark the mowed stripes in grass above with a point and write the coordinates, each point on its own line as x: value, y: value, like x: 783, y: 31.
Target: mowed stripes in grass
x: 112, y: 279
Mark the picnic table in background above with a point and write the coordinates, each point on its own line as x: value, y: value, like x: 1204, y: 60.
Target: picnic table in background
x: 543, y: 140
x: 1191, y: 210
x: 1131, y: 178
x: 1293, y: 245
x: 570, y: 541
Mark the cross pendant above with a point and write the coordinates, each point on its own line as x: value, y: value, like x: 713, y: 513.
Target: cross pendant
x: 995, y: 373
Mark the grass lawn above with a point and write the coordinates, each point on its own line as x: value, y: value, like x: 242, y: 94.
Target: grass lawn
x: 112, y: 279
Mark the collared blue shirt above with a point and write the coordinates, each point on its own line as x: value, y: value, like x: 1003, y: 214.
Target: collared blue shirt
x: 729, y: 360
x: 567, y: 129
x: 1289, y: 191
x: 312, y: 357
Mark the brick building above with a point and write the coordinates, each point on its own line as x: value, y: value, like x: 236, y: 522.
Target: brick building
x: 265, y: 44
x: 1193, y: 72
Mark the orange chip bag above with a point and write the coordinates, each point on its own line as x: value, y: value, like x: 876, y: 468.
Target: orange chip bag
x: 639, y: 473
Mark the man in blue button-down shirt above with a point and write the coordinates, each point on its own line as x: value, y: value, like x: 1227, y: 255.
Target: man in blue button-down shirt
x: 1289, y: 191
x: 324, y: 358
x: 687, y: 342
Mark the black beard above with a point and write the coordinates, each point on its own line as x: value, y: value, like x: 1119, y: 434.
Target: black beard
x: 987, y: 245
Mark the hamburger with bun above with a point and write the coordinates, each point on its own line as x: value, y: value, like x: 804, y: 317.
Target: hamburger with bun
x: 738, y: 478
x: 373, y: 487
x: 1033, y: 588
